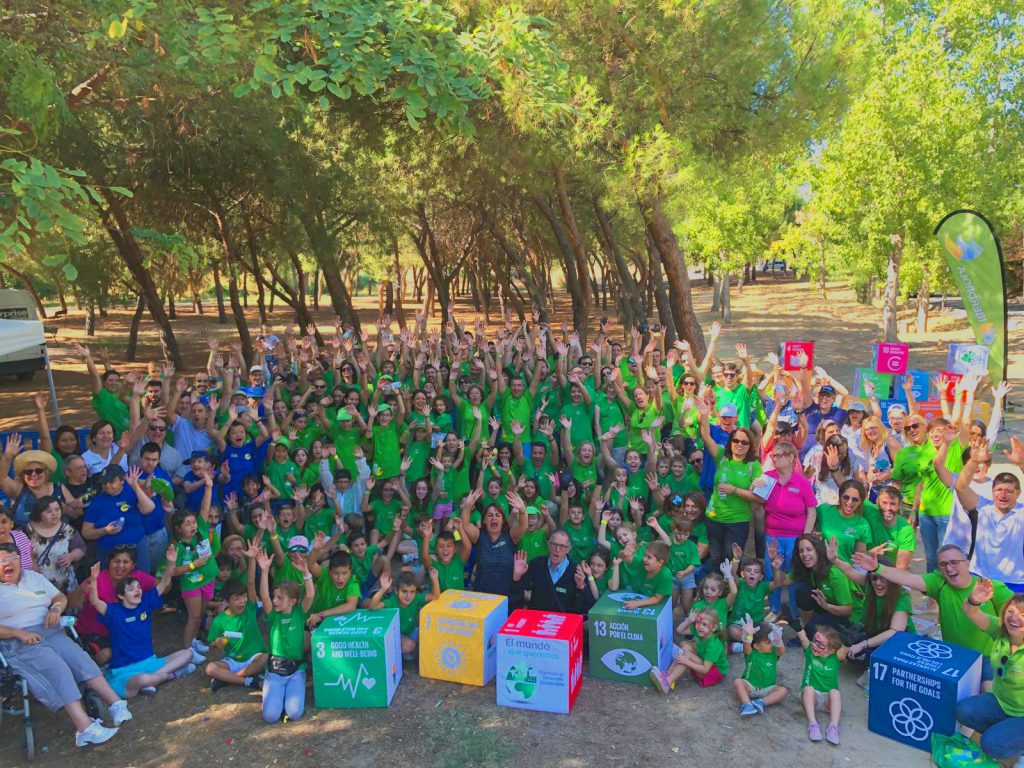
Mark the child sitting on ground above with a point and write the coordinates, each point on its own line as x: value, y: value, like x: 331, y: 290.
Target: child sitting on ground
x: 705, y: 658
x: 714, y: 595
x: 758, y: 687
x: 236, y: 632
x: 820, y: 685
x: 409, y: 601
x: 134, y: 666
x: 337, y: 590
x: 657, y: 583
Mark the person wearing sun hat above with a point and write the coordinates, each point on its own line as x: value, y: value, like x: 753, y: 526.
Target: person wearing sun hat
x: 33, y: 470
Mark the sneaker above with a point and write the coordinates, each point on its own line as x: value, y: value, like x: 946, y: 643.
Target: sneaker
x: 198, y: 646
x: 814, y: 732
x: 185, y: 671
x: 660, y: 680
x: 119, y: 713
x: 95, y: 733
x: 257, y: 683
x: 149, y: 690
x: 736, y: 647
x: 747, y: 710
x: 864, y: 680
x: 832, y: 734
x: 216, y: 685
x: 759, y: 703
x: 197, y: 658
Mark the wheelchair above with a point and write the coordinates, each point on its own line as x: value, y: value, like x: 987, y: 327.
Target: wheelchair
x: 14, y: 700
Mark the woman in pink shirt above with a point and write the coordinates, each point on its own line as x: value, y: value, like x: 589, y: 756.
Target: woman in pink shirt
x: 120, y: 565
x: 789, y: 510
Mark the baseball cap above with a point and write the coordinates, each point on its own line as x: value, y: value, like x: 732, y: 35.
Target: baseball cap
x: 896, y: 409
x: 109, y: 474
x: 532, y: 511
x: 344, y: 415
x: 828, y: 389
x: 255, y: 369
x: 383, y: 408
x: 728, y: 411
x: 199, y: 455
x: 283, y: 441
x: 783, y: 427
x: 855, y: 406
x: 298, y: 544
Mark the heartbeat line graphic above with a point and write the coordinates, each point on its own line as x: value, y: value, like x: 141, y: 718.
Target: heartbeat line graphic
x: 362, y: 676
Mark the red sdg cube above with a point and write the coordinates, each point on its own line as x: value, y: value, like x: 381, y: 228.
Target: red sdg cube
x: 540, y: 661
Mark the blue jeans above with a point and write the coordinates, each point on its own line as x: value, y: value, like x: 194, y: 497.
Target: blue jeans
x: 721, y: 537
x: 284, y: 694
x: 933, y: 531
x: 1002, y: 736
x: 786, y: 546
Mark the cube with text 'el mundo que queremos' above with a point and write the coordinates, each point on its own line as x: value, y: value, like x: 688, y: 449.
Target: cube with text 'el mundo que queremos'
x: 540, y: 661
x: 625, y: 644
x: 458, y: 633
x: 916, y: 683
x: 357, y: 659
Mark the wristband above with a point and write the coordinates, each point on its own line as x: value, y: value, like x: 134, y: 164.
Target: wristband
x: 748, y: 639
x: 308, y: 577
x: 971, y: 601
x: 457, y: 535
x: 879, y: 568
x: 275, y: 537
x: 591, y: 579
x: 56, y: 608
x: 604, y: 523
x: 191, y: 566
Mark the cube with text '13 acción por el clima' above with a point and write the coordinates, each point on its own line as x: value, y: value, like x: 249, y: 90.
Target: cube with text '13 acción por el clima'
x: 540, y: 661
x: 625, y: 644
x: 916, y: 683
x: 357, y: 659
x: 458, y: 632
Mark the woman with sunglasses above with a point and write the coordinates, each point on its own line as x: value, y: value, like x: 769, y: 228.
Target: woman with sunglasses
x: 33, y: 473
x: 823, y: 593
x: 906, y: 464
x: 998, y: 715
x: 845, y: 521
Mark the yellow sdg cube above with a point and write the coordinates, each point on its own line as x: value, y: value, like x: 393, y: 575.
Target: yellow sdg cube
x: 458, y: 635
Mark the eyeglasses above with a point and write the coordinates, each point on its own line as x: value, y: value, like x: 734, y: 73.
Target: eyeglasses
x: 949, y: 565
x: 848, y: 497
x: 33, y: 471
x: 689, y: 383
x: 740, y: 442
x: 911, y: 427
x: 10, y: 559
x: 120, y: 549
x: 730, y: 375
x: 587, y: 363
x: 556, y: 545
x: 158, y: 427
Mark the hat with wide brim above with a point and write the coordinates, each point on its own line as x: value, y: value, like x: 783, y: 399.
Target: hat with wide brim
x: 25, y: 458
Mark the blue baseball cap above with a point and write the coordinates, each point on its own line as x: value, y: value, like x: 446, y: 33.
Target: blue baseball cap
x: 728, y: 411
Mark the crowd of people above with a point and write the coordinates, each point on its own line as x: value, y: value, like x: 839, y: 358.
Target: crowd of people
x: 325, y: 474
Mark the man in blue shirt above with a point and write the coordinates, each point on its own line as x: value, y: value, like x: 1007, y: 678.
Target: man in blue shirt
x: 114, y: 516
x: 727, y: 419
x: 825, y: 408
x: 162, y: 495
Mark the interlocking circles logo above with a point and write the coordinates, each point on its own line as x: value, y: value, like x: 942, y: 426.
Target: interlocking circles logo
x: 910, y: 719
x: 929, y: 650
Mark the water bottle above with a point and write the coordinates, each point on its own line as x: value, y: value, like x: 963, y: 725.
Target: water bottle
x: 67, y: 622
x: 119, y: 523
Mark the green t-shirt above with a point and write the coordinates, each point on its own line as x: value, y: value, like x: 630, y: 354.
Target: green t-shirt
x: 361, y: 565
x: 688, y: 483
x: 418, y: 454
x: 188, y: 552
x: 609, y: 413
x: 901, y: 535
x: 682, y: 556
x: 408, y: 615
x: 906, y: 470
x: 468, y: 420
x: 319, y: 522
x: 639, y: 420
x: 452, y: 575
x: 760, y: 668
x: 835, y: 587
x: 345, y: 440
x: 902, y: 604
x: 534, y: 543
x: 517, y: 409
x: 846, y: 530
x: 247, y: 625
x: 631, y: 575
x: 720, y: 606
x: 957, y: 627
x: 749, y: 600
x: 658, y: 584
x: 727, y: 508
x: 1008, y: 683
x: 110, y: 407
x: 582, y: 423
x: 712, y: 649
x: 384, y: 513
x: 582, y: 539
x: 821, y: 672
x: 387, y: 453
x: 936, y: 498
x: 328, y: 596
x: 278, y: 472
x: 738, y: 396
x: 288, y: 633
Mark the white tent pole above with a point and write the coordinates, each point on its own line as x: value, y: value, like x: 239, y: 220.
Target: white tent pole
x: 53, y: 389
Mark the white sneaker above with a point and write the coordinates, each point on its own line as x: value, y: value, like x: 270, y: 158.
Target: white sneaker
x: 149, y: 690
x: 197, y: 658
x: 119, y: 713
x: 736, y: 647
x: 95, y: 733
x: 198, y: 646
x: 185, y: 671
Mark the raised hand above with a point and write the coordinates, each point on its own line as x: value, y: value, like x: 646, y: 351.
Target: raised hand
x: 263, y: 560
x: 519, y: 566
x: 737, y: 552
x: 726, y: 569
x: 832, y: 548
x: 983, y: 591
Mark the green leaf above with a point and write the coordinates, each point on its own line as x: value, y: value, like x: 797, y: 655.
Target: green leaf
x: 114, y: 30
x: 317, y: 85
x: 122, y: 191
x: 54, y: 259
x: 70, y: 272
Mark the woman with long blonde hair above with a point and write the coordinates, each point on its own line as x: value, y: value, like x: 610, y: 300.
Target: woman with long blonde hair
x: 872, y: 456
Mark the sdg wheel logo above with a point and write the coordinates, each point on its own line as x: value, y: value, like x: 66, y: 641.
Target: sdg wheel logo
x: 909, y: 719
x: 930, y: 650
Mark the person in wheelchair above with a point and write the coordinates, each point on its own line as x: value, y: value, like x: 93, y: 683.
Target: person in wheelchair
x: 37, y: 648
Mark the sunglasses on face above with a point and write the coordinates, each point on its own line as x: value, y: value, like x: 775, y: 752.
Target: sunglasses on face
x: 848, y: 497
x: 737, y: 441
x: 912, y: 428
x: 33, y: 471
x: 158, y: 427
x: 689, y: 383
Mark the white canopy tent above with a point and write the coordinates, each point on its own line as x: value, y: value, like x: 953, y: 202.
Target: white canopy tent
x: 19, y: 335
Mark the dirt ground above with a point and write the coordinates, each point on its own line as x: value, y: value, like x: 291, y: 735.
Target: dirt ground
x: 450, y: 726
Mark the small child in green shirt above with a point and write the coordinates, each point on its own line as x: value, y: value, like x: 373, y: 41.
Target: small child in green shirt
x: 820, y: 686
x: 236, y: 632
x: 682, y: 562
x: 596, y: 571
x: 409, y: 601
x: 704, y: 658
x: 751, y: 593
x: 758, y: 687
x: 657, y: 579
x: 718, y: 592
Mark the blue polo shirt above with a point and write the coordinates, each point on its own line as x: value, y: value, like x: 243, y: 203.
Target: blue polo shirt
x: 154, y: 521
x: 814, y: 418
x: 131, y: 629
x: 707, y: 472
x: 245, y: 460
x: 105, y: 509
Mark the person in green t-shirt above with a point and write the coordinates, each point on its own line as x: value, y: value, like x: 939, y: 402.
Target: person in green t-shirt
x: 890, y: 529
x: 656, y: 581
x: 936, y: 496
x: 822, y: 589
x: 751, y: 592
x: 823, y: 653
x: 906, y: 464
x: 382, y: 428
x: 107, y: 395
x: 758, y: 687
x: 577, y: 524
x: 683, y: 560
x: 845, y: 522
x: 336, y: 590
x: 284, y: 685
x: 281, y: 470
x: 451, y: 553
x: 407, y: 599
x: 236, y: 632
x: 704, y: 658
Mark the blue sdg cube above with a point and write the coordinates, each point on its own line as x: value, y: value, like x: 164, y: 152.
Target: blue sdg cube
x: 916, y: 683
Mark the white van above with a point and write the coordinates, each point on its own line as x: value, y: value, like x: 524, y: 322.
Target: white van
x: 22, y: 342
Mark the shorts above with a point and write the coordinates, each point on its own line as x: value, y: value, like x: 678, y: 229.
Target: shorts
x: 118, y: 678
x: 206, y: 591
x: 238, y: 666
x: 443, y: 511
x: 687, y: 582
x: 758, y: 693
x: 713, y: 677
x: 821, y: 699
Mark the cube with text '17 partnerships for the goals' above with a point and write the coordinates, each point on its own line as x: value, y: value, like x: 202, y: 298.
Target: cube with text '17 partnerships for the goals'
x: 625, y: 644
x: 916, y: 683
x: 357, y: 659
x: 458, y: 632
x: 540, y: 661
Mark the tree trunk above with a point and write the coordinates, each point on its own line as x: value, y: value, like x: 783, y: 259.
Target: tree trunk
x: 821, y: 270
x: 518, y: 258
x: 923, y: 305
x: 631, y: 295
x: 674, y: 264
x: 572, y: 280
x: 115, y: 221
x: 399, y: 279
x: 579, y: 252
x: 133, y: 330
x: 90, y: 317
x: 325, y: 251
x: 716, y: 297
x: 660, y: 294
x: 892, y: 289
x: 23, y: 279
x: 218, y: 289
x: 230, y: 254
x: 172, y: 310
x: 62, y: 298
x: 726, y: 302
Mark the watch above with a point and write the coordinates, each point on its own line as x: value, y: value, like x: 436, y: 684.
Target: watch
x: 58, y: 609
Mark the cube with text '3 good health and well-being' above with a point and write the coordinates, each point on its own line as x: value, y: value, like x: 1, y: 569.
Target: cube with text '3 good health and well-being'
x: 458, y: 633
x: 357, y: 659
x: 540, y: 661
x: 916, y: 683
x: 625, y: 644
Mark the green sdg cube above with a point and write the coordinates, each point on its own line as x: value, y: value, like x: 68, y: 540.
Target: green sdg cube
x: 625, y: 644
x: 357, y: 659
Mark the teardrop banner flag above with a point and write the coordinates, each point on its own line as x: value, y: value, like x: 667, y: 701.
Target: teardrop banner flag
x: 975, y: 260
